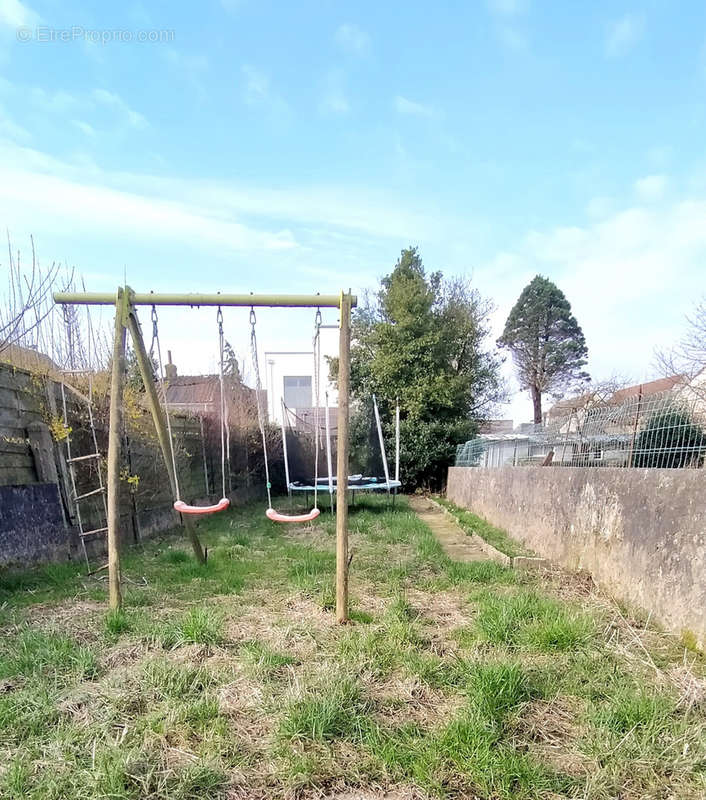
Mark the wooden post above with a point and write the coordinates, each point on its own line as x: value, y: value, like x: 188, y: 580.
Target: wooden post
x: 41, y: 445
x: 145, y: 365
x: 203, y: 455
x: 114, y: 437
x: 344, y: 372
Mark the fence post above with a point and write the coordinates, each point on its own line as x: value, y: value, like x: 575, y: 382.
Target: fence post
x: 631, y: 453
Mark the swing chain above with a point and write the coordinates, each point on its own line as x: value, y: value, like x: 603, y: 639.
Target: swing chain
x: 225, y: 432
x: 317, y: 378
x: 155, y: 330
x: 260, y: 412
x: 162, y: 385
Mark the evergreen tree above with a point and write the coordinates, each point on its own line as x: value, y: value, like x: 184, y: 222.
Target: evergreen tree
x: 421, y: 338
x: 133, y: 376
x: 230, y: 363
x: 671, y: 439
x: 546, y: 342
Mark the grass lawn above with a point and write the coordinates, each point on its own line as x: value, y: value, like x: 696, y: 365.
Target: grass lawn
x: 232, y: 680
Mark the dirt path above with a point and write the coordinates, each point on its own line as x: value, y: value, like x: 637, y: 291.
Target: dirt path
x: 456, y: 543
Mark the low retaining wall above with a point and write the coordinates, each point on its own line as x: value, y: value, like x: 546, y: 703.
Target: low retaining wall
x: 32, y: 525
x: 641, y: 533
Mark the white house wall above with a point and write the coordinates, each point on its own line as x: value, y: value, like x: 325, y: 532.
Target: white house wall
x: 299, y: 361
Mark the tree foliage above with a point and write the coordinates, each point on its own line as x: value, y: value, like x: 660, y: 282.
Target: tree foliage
x: 546, y: 342
x: 688, y: 357
x: 231, y: 369
x: 133, y: 376
x: 421, y: 339
x: 671, y: 439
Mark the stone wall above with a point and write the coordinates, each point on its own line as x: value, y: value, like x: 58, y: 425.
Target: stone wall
x: 641, y: 533
x: 32, y: 527
x: 38, y: 513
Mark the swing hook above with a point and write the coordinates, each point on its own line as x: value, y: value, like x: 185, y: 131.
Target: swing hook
x: 253, y: 318
x: 219, y: 319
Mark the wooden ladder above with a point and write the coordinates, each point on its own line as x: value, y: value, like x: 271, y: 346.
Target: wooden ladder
x: 76, y: 462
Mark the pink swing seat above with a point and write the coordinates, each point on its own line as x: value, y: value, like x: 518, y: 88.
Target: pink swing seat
x: 275, y: 516
x: 183, y: 508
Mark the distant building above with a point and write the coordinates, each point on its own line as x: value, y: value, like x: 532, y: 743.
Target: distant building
x: 290, y: 379
x: 201, y: 394
x: 647, y: 389
x: 570, y: 414
x: 496, y: 426
x: 28, y: 358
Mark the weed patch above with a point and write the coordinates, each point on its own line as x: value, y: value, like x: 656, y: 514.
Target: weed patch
x: 532, y: 621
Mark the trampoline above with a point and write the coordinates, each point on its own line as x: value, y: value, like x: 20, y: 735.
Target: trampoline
x: 355, y: 483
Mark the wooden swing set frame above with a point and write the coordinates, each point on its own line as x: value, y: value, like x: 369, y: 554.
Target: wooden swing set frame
x: 126, y: 301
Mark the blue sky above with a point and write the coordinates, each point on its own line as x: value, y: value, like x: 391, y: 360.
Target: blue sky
x: 298, y: 147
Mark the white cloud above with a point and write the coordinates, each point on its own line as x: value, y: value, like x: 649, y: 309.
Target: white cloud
x: 660, y: 156
x: 14, y: 14
x: 630, y: 278
x: 328, y: 212
x: 623, y: 34
x: 506, y: 13
x: 513, y: 38
x: 231, y: 6
x: 335, y: 100
x: 508, y: 8
x: 353, y: 40
x: 84, y: 127
x: 58, y: 199
x: 651, y: 188
x: 404, y: 106
x: 188, y: 62
x: 111, y: 100
x: 599, y: 207
x: 9, y: 129
x: 56, y: 102
x: 257, y: 91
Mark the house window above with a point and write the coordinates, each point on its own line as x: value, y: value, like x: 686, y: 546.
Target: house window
x: 297, y: 391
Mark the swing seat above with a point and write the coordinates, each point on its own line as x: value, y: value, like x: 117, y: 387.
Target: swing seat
x: 275, y: 516
x: 183, y: 508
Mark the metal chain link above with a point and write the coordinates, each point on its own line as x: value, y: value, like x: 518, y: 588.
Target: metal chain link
x: 155, y: 339
x: 258, y: 392
x: 317, y: 431
x: 219, y: 321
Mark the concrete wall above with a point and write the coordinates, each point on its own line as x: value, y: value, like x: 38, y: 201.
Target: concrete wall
x: 32, y: 527
x: 641, y: 533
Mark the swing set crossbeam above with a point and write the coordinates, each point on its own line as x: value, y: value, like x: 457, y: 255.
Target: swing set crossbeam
x: 196, y: 300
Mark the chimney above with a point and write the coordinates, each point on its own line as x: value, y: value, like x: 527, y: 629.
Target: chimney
x: 170, y: 369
